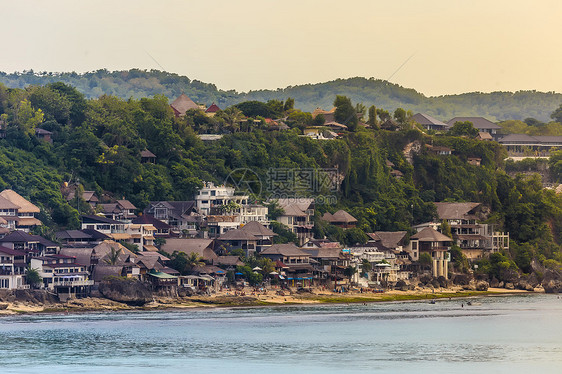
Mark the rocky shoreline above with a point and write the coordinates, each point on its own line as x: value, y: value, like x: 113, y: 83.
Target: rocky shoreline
x: 37, y: 301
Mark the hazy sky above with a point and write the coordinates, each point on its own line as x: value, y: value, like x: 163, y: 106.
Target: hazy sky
x: 452, y: 46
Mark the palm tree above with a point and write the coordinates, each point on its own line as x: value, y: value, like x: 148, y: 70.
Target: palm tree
x: 32, y: 276
x: 193, y: 260
x: 232, y: 117
x: 113, y: 257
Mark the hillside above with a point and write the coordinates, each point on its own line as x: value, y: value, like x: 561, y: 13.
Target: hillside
x: 97, y: 145
x: 496, y: 106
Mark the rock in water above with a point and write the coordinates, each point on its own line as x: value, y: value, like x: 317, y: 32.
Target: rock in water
x: 128, y: 291
x: 553, y: 286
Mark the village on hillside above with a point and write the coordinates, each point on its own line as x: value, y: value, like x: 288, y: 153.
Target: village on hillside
x: 215, y: 239
x: 224, y: 239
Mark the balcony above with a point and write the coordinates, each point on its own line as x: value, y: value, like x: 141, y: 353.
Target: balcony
x: 73, y: 283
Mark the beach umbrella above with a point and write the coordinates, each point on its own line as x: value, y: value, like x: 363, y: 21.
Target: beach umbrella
x: 274, y: 273
x: 257, y: 268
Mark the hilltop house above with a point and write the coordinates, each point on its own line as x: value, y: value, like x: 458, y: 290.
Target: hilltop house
x: 523, y: 144
x: 429, y: 122
x: 329, y: 115
x: 44, y: 135
x: 216, y: 200
x: 202, y: 247
x: 341, y: 218
x: 121, y: 210
x: 479, y: 123
x: 212, y: 110
x: 182, y: 104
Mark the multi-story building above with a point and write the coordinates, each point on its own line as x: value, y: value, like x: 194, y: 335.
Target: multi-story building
x: 12, y: 269
x: 475, y: 239
x: 298, y: 214
x: 63, y: 275
x: 217, y: 200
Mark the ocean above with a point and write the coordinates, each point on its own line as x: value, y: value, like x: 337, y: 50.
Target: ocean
x: 496, y: 334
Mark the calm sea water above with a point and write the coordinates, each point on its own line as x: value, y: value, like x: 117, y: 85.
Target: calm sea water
x: 504, y: 334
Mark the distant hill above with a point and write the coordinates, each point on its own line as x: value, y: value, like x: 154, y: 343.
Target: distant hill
x: 496, y: 106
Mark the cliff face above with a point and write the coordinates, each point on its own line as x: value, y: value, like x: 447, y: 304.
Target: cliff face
x: 37, y: 297
x: 128, y: 291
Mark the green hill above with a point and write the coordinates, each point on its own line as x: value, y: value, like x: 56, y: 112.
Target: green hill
x: 496, y: 106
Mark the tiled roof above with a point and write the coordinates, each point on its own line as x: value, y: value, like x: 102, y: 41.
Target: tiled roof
x: 427, y: 120
x: 429, y: 234
x: 477, y: 122
x: 126, y: 204
x: 237, y: 234
x: 213, y: 108
x: 147, y: 219
x: 256, y: 228
x: 289, y: 250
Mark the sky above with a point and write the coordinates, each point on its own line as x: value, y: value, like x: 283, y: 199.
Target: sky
x: 437, y: 47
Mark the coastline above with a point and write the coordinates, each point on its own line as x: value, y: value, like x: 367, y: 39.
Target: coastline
x: 223, y: 299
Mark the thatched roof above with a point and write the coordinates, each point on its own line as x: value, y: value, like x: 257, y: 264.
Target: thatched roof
x: 17, y: 199
x: 182, y: 104
x: 102, y: 271
x: 83, y: 255
x: 202, y: 247
x: 455, y: 210
x: 390, y: 239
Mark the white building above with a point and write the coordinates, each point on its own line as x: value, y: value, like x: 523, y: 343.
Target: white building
x: 214, y: 200
x: 12, y: 269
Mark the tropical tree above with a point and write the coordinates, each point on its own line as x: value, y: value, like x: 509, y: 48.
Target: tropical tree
x: 193, y: 260
x: 372, y: 121
x: 32, y: 277
x: 345, y: 112
x: 400, y: 115
x: 463, y: 128
x: 232, y: 117
x: 557, y: 114
x: 113, y: 256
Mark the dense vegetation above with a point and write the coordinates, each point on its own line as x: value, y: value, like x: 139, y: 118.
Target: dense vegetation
x: 97, y: 145
x: 496, y: 106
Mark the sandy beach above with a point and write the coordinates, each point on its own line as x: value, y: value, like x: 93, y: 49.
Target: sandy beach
x: 248, y: 299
